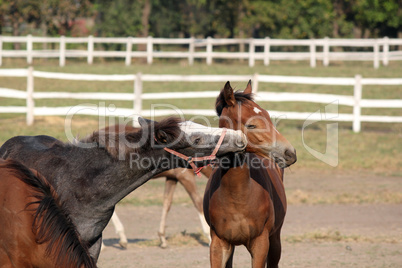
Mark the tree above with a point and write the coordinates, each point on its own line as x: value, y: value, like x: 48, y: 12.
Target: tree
x: 378, y: 18
x: 58, y: 16
x: 290, y: 18
x: 18, y: 12
x: 118, y: 18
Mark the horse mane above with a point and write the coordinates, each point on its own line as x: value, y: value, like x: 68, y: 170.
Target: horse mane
x: 109, y: 137
x: 240, y: 96
x: 51, y: 222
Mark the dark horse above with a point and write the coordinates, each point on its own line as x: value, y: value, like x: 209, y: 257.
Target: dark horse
x: 92, y: 176
x: 245, y: 202
x: 182, y: 175
x: 35, y: 229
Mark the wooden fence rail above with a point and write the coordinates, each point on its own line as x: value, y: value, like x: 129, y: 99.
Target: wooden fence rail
x: 258, y: 49
x: 138, y: 96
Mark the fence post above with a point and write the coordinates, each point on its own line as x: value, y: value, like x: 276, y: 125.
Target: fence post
x: 149, y: 50
x: 385, y: 51
x: 267, y: 48
x: 326, y: 52
x: 255, y: 83
x: 129, y: 47
x: 251, y: 52
x: 90, y: 49
x: 30, y: 100
x: 1, y: 50
x: 357, y: 94
x: 62, y: 60
x: 376, y: 48
x: 29, y: 49
x: 191, y: 49
x: 312, y: 54
x: 137, y: 94
x: 209, y: 50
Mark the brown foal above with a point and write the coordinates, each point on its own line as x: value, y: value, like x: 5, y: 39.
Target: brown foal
x: 245, y: 201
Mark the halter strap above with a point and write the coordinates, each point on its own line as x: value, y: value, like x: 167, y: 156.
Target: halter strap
x: 191, y: 160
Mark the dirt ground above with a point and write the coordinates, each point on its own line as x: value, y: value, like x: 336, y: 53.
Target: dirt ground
x: 342, y: 234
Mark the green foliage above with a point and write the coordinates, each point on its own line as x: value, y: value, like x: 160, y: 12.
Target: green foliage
x: 19, y: 11
x: 167, y: 19
x: 216, y: 18
x: 118, y: 18
x: 53, y: 16
x: 290, y: 18
x: 378, y: 17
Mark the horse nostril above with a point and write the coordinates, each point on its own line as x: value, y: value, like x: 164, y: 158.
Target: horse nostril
x: 241, y: 141
x: 290, y: 155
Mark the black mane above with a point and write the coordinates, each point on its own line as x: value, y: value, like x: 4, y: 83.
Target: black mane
x: 220, y: 103
x: 51, y: 222
x: 109, y: 139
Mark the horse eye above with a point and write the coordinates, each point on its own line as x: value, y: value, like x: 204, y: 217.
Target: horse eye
x: 197, y: 141
x: 251, y: 126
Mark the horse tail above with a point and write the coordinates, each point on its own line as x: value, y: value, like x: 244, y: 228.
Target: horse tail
x: 51, y: 222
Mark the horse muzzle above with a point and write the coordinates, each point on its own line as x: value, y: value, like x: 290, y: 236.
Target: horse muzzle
x: 234, y: 141
x: 286, y: 159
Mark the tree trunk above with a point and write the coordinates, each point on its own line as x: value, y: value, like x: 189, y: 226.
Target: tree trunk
x: 146, y: 11
x: 43, y: 27
x: 16, y: 32
x: 400, y: 36
x: 242, y: 46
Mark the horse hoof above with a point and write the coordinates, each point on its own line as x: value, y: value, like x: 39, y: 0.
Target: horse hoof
x: 163, y: 245
x: 123, y: 244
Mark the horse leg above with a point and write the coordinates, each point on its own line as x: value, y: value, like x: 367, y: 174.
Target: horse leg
x: 220, y: 252
x: 170, y: 186
x: 258, y: 249
x: 229, y: 263
x: 119, y: 230
x: 187, y: 179
x: 275, y: 249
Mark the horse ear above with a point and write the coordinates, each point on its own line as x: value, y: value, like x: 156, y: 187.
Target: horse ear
x: 248, y: 89
x: 143, y: 123
x: 161, y: 137
x: 229, y: 95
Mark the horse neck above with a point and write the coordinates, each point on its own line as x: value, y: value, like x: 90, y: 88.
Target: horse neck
x: 236, y: 178
x: 95, y: 199
x: 236, y: 181
x: 121, y: 177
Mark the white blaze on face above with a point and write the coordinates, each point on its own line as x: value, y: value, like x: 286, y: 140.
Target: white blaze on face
x: 256, y: 110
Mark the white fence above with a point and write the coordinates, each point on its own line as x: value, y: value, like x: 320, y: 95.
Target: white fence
x: 380, y: 49
x: 137, y: 96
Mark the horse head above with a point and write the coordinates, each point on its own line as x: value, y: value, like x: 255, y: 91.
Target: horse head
x: 237, y: 110
x: 195, y: 142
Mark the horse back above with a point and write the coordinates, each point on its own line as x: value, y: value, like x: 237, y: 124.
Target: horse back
x: 14, y: 146
x: 32, y: 151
